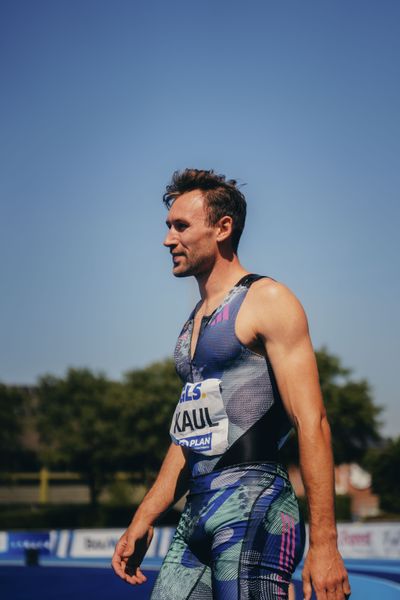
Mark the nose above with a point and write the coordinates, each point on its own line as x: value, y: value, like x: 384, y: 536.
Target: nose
x: 170, y: 239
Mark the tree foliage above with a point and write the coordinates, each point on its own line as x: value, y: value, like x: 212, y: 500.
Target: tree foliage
x: 78, y: 421
x: 97, y: 427
x: 12, y: 412
x: 384, y: 466
x: 152, y: 396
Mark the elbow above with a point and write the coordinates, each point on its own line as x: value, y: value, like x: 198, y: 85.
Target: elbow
x: 312, y: 424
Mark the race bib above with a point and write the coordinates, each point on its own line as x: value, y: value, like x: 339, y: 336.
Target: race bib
x: 200, y: 421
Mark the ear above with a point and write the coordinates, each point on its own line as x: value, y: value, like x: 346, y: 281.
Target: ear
x: 224, y: 228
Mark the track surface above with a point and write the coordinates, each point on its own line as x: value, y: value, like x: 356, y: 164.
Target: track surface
x: 87, y: 583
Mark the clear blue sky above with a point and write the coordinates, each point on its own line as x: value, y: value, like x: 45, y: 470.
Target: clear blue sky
x: 101, y: 100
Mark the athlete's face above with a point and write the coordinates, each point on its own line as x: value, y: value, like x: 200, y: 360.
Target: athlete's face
x: 191, y: 241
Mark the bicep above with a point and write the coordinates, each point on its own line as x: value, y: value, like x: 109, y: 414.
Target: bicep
x: 296, y: 374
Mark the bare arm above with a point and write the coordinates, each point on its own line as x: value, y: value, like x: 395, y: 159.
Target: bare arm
x: 169, y: 486
x: 282, y: 326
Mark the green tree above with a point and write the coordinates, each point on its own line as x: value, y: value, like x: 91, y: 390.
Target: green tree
x: 384, y: 466
x: 96, y: 427
x: 152, y: 394
x: 352, y: 414
x: 12, y: 414
x: 78, y: 421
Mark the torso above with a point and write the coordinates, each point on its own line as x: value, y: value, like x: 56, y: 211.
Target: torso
x: 224, y: 345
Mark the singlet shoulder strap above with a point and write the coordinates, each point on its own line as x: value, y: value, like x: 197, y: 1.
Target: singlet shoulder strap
x: 249, y: 279
x: 245, y: 281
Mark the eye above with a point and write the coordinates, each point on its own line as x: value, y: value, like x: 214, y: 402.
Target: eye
x: 180, y: 226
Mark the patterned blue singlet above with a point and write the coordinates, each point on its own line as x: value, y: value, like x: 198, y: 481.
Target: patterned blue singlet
x: 240, y: 534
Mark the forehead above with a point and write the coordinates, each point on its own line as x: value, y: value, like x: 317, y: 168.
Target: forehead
x: 188, y: 206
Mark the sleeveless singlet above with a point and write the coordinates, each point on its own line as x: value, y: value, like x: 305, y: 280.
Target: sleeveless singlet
x: 257, y: 424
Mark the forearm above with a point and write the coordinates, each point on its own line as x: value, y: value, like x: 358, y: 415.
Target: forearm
x: 169, y: 486
x: 316, y: 463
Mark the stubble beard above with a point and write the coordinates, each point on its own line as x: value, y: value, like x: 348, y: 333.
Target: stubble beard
x: 194, y: 268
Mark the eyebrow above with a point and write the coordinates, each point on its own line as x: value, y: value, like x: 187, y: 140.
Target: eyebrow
x: 178, y: 220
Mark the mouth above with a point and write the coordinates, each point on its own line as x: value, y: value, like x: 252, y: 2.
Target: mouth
x: 176, y: 257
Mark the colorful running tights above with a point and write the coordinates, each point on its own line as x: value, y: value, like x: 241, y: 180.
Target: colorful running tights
x: 240, y: 537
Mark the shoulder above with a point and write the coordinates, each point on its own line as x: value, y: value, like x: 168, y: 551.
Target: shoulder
x: 275, y: 307
x: 267, y: 291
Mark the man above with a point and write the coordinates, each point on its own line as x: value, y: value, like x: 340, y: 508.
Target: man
x: 249, y: 374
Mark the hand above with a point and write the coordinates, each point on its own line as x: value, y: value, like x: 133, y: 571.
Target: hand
x: 129, y: 553
x: 325, y: 572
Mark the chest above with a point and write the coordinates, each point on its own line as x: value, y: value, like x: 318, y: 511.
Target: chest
x: 208, y: 345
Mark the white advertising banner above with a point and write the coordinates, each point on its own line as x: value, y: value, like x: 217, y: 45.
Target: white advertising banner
x: 3, y: 541
x: 369, y: 540
x: 94, y: 543
x: 100, y: 543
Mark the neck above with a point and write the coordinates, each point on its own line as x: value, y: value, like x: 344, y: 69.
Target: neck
x: 217, y: 282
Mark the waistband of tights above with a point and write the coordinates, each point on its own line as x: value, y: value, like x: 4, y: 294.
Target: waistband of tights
x: 252, y: 469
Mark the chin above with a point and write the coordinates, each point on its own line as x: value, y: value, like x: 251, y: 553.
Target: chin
x: 182, y: 273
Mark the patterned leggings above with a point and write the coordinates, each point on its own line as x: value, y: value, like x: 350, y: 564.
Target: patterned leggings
x: 240, y: 537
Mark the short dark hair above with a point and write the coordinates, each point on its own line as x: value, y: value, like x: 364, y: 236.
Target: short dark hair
x: 222, y: 197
